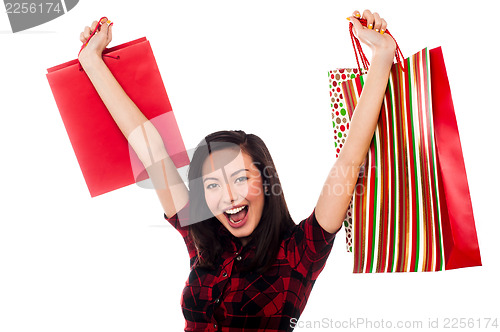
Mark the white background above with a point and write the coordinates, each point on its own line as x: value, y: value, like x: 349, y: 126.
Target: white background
x: 69, y: 262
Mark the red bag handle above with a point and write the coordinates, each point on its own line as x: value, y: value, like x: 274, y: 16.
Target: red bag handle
x: 358, y: 49
x: 96, y: 29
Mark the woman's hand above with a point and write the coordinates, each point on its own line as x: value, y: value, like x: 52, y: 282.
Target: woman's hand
x: 98, y: 42
x: 373, y: 34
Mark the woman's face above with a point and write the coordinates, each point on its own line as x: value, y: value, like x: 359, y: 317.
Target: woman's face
x: 234, y: 191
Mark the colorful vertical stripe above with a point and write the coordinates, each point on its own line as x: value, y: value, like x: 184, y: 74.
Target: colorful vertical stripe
x: 396, y: 215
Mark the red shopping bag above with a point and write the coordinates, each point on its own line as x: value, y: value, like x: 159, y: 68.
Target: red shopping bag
x: 459, y: 231
x: 413, y: 211
x: 105, y: 158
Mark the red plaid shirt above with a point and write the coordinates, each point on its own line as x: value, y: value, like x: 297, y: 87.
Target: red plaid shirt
x: 225, y: 300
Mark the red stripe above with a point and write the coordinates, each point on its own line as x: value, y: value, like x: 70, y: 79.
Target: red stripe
x: 358, y: 222
x: 365, y: 216
x: 392, y: 157
x: 429, y: 193
x: 435, y: 242
x: 405, y: 229
x: 371, y: 199
x: 402, y: 184
x: 444, y: 218
x: 424, y: 174
x: 411, y: 221
x: 358, y: 227
x: 435, y: 189
x: 385, y: 164
x: 358, y: 86
x: 419, y: 182
x: 348, y: 96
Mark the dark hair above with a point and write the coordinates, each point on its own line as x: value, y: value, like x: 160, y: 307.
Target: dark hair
x: 275, y: 220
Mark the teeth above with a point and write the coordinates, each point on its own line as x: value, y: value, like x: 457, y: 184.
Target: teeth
x: 233, y: 211
x: 235, y: 222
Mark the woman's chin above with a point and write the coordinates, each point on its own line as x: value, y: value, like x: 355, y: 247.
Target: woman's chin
x: 241, y: 229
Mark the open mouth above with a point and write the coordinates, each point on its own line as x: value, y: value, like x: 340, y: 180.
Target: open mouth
x: 236, y: 215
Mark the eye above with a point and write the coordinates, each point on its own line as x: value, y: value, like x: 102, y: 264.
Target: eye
x: 212, y: 186
x: 241, y: 179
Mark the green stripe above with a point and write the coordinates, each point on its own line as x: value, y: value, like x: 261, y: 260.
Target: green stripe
x: 375, y: 200
x: 418, y: 189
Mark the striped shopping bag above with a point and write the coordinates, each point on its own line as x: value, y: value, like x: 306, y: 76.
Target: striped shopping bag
x: 411, y: 210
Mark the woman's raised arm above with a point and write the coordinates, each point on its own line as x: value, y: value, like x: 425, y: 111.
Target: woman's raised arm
x: 333, y: 203
x: 139, y: 131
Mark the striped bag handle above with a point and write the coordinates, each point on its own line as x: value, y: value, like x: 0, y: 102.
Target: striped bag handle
x: 359, y: 50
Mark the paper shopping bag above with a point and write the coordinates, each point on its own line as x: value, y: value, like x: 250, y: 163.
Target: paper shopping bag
x: 105, y: 158
x: 459, y: 231
x: 340, y: 120
x: 411, y: 206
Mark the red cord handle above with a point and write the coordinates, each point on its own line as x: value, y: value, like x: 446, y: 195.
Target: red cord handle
x: 359, y: 50
x: 97, y: 28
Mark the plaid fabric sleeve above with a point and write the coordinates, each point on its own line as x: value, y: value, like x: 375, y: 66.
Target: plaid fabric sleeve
x: 184, y: 231
x: 310, y: 246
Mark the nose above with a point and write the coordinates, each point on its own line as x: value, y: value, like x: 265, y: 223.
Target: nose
x: 228, y: 195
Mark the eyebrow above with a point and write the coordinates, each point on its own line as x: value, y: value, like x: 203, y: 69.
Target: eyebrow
x: 243, y: 169
x: 211, y: 178
x: 206, y: 179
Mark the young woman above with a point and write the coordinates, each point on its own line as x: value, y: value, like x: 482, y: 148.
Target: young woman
x: 252, y: 267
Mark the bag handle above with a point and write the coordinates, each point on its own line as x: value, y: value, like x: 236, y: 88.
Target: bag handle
x: 96, y: 29
x: 358, y: 49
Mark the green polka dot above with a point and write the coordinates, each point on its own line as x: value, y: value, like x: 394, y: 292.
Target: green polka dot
x: 331, y: 105
x: 340, y: 135
x: 330, y: 86
x: 335, y: 144
x: 346, y: 223
x: 350, y: 249
x: 352, y: 75
x: 342, y: 111
x: 341, y: 105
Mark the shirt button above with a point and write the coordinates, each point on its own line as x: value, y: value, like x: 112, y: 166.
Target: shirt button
x: 238, y: 258
x: 224, y: 274
x: 215, y: 326
x: 217, y: 301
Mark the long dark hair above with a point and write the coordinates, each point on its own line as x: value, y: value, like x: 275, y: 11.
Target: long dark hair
x: 275, y: 220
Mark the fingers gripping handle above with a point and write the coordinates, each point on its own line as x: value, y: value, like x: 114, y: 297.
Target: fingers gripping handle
x: 359, y: 50
x: 102, y: 20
